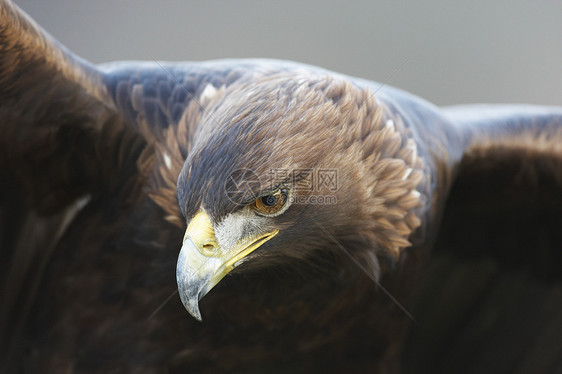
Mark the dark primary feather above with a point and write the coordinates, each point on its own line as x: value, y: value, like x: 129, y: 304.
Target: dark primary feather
x: 80, y: 283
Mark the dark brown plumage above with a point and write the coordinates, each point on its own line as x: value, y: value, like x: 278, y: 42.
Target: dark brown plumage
x: 103, y: 168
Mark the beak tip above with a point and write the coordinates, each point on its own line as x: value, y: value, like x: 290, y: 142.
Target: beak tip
x: 196, y: 314
x: 191, y: 305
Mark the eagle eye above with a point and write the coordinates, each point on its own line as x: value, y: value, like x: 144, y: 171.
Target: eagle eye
x: 272, y: 204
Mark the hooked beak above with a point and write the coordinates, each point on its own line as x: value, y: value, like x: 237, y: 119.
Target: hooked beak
x: 202, y: 263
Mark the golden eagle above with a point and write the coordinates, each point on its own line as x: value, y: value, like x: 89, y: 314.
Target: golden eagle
x: 308, y: 201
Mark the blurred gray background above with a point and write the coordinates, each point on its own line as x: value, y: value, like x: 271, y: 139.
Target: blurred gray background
x: 445, y: 51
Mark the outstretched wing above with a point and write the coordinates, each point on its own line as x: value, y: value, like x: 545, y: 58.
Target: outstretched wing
x: 59, y: 132
x: 491, y: 298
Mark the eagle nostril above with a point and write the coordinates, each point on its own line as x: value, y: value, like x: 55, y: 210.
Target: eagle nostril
x: 209, y: 249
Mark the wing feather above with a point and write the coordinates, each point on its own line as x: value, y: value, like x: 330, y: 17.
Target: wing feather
x: 61, y: 140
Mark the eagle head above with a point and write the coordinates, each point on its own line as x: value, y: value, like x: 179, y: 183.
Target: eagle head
x: 290, y: 168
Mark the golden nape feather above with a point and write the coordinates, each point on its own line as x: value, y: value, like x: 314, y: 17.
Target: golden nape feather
x: 315, y: 222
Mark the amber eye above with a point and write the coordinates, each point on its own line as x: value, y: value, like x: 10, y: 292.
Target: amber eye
x: 272, y: 203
